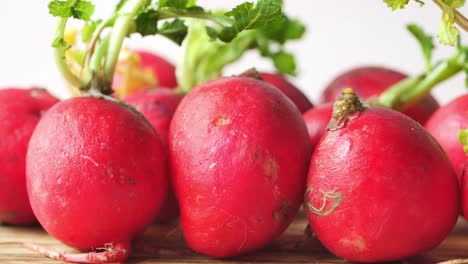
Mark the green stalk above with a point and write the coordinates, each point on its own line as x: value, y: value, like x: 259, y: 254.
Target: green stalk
x: 202, y: 59
x: 96, y: 62
x: 92, y: 46
x: 412, y: 89
x: 60, y: 58
x: 125, y: 18
x: 223, y: 21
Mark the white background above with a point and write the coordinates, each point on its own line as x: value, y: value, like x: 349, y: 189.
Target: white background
x: 341, y: 34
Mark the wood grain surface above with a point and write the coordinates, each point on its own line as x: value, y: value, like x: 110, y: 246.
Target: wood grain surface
x: 164, y: 244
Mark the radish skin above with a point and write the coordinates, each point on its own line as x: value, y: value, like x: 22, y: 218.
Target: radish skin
x: 158, y: 106
x: 380, y: 188
x: 96, y: 173
x: 368, y: 82
x: 20, y: 111
x: 445, y: 124
x: 291, y: 91
x: 239, y: 154
x: 317, y: 120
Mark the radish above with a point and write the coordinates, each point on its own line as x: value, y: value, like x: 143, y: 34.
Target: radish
x: 234, y: 141
x: 380, y: 188
x: 317, y: 120
x: 20, y: 110
x: 291, y: 91
x: 372, y: 81
x: 444, y: 126
x: 95, y: 156
x: 158, y: 106
x: 141, y: 70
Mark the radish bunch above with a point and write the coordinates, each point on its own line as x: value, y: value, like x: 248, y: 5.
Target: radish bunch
x: 235, y: 157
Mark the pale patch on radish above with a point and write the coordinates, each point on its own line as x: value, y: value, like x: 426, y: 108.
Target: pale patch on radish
x: 270, y: 167
x: 219, y: 121
x: 354, y: 241
x: 91, y: 160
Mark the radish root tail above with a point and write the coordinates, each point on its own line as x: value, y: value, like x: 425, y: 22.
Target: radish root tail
x: 111, y: 253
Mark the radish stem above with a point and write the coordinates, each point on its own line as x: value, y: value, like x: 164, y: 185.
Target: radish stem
x: 124, y: 19
x: 60, y: 58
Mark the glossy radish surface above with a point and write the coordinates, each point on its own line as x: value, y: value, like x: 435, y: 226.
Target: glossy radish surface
x: 292, y: 92
x: 380, y: 188
x: 158, y: 106
x: 372, y: 81
x: 239, y: 153
x: 96, y: 174
x: 20, y: 111
x: 445, y: 124
x: 317, y: 120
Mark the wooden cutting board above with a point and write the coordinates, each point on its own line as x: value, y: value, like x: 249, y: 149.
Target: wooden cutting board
x: 164, y: 244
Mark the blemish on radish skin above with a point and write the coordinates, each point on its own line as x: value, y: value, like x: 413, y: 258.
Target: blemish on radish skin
x: 356, y: 241
x: 270, y: 168
x: 91, y: 160
x: 131, y: 180
x: 281, y: 214
x: 212, y: 165
x: 276, y: 193
x: 222, y: 122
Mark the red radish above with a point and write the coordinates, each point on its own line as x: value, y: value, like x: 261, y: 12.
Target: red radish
x: 464, y: 190
x: 148, y: 70
x: 291, y: 91
x: 239, y: 152
x: 372, y: 81
x: 158, y: 106
x: 380, y: 187
x: 445, y: 124
x: 317, y: 120
x: 96, y: 175
x: 20, y: 110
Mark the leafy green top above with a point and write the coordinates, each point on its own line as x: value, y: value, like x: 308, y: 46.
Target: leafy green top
x: 448, y: 33
x: 204, y: 56
x: 146, y: 18
x: 80, y: 9
x: 426, y: 42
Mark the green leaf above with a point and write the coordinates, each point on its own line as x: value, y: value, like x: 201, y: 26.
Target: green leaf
x: 448, y: 33
x: 396, y: 4
x: 88, y: 30
x: 463, y: 137
x: 250, y: 16
x: 426, y: 42
x: 147, y: 22
x: 285, y: 62
x: 212, y: 33
x: 289, y: 29
x: 79, y: 9
x: 175, y: 31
